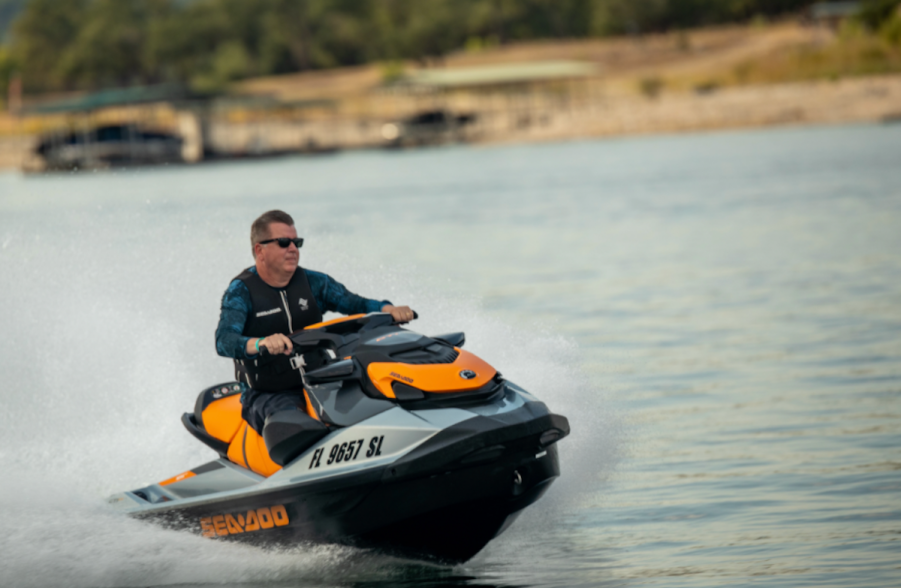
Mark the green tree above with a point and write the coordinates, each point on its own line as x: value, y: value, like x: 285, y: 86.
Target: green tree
x: 41, y: 36
x: 891, y: 28
x: 109, y: 49
x: 94, y: 43
x: 8, y: 67
x: 181, y: 43
x: 876, y: 13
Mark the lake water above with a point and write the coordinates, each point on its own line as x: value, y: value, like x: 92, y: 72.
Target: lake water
x: 718, y: 315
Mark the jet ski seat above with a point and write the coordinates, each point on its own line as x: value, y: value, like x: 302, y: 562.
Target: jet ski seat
x: 217, y: 422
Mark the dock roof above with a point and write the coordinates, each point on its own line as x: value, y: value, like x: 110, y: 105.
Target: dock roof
x: 827, y: 10
x: 115, y: 97
x: 507, y: 74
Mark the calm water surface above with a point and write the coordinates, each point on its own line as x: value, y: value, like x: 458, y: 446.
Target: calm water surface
x: 718, y: 315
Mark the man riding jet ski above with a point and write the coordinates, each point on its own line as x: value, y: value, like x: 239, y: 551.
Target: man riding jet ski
x: 267, y: 302
x: 355, y: 430
x: 424, y: 450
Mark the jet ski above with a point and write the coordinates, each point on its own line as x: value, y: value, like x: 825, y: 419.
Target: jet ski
x: 403, y: 443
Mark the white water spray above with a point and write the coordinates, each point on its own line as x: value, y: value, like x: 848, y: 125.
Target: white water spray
x: 108, y: 338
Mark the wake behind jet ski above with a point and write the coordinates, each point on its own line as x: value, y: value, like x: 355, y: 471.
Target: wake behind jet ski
x: 419, y: 448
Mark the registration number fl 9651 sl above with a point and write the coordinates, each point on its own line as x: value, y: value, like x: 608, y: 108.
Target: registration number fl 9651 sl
x: 347, y: 451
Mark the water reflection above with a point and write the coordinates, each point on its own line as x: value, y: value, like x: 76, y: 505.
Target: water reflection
x: 731, y: 302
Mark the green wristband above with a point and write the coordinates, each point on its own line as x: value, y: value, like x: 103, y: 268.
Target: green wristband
x: 257, y: 343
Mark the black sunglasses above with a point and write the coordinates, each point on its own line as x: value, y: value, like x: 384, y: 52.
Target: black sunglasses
x: 283, y: 242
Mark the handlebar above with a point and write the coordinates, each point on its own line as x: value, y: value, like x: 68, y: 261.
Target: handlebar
x: 265, y: 353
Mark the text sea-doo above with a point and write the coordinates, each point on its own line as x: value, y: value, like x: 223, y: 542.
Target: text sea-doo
x: 409, y: 444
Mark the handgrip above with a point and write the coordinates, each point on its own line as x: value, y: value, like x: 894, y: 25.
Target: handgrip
x: 415, y: 316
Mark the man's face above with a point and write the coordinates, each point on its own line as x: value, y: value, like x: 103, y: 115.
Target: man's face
x: 279, y: 259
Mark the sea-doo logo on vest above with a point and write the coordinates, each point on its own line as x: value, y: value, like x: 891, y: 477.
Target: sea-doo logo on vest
x: 253, y: 520
x: 268, y: 312
x: 467, y: 374
x: 304, y: 305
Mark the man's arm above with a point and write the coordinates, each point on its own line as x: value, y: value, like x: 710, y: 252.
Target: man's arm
x: 331, y: 295
x: 233, y: 314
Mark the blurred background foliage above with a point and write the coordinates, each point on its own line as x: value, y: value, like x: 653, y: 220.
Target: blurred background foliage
x: 59, y: 45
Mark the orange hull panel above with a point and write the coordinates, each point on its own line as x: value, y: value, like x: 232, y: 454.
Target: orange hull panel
x: 437, y: 378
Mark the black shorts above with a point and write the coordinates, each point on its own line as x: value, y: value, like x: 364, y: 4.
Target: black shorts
x: 256, y: 406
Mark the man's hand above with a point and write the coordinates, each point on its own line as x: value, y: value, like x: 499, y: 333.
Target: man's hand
x: 276, y: 344
x: 401, y: 314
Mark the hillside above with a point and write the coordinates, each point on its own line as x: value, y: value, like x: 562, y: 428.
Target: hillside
x: 686, y: 60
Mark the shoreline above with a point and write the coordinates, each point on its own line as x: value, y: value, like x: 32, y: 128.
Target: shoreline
x: 871, y: 99
x: 852, y: 100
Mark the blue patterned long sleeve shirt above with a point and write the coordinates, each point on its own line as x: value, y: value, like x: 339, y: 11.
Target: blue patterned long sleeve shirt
x: 330, y: 295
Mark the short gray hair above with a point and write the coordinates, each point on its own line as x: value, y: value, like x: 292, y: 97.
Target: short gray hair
x: 259, y: 230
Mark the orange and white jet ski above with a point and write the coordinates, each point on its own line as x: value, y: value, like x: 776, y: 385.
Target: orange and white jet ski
x: 419, y: 449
